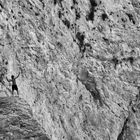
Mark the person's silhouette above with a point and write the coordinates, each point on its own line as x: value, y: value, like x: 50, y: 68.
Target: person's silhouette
x: 14, y: 85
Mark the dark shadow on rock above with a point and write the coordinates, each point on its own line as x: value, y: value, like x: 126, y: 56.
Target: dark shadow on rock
x: 91, y: 86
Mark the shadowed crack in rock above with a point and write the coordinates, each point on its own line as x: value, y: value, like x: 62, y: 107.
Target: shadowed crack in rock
x: 17, y: 122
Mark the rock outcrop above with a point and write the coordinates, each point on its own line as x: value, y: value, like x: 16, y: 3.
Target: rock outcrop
x: 79, y: 65
x: 17, y: 122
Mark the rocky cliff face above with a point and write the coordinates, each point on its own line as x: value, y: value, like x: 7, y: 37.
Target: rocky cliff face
x: 79, y: 64
x: 17, y: 122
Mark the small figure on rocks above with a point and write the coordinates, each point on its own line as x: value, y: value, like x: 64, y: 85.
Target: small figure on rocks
x: 14, y: 85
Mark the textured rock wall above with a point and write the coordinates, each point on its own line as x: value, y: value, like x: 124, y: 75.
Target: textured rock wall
x: 17, y: 122
x: 79, y: 65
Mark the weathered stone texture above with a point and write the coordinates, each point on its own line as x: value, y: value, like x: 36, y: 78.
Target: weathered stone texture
x: 17, y: 122
x: 79, y: 64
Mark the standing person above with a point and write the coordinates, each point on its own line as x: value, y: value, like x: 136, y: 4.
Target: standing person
x: 14, y: 85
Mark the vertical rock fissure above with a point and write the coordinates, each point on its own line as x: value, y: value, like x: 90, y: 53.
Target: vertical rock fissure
x: 121, y: 135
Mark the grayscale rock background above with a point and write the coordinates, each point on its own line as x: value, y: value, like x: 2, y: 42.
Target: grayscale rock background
x: 79, y: 64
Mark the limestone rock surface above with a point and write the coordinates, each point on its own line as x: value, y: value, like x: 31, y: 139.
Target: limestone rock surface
x: 17, y: 122
x: 79, y: 65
